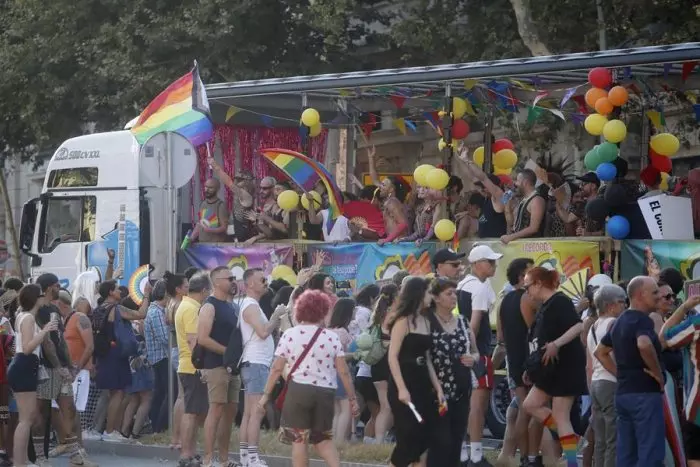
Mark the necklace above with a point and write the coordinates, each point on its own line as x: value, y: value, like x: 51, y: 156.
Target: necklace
x: 445, y: 321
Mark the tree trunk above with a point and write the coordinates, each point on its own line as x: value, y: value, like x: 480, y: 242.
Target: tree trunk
x: 10, y: 219
x: 527, y: 28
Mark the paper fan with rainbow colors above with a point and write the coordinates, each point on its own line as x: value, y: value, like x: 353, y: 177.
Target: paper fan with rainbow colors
x: 575, y: 285
x: 138, y: 281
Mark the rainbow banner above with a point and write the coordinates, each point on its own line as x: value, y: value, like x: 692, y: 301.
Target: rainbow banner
x: 182, y: 108
x: 306, y: 172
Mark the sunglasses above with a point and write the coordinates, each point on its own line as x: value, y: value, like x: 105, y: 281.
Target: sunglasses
x: 229, y: 278
x: 669, y: 296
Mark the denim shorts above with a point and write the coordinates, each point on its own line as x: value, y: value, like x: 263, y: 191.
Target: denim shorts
x: 340, y: 392
x: 254, y: 377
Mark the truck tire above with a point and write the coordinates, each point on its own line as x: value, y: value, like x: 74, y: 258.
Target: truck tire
x: 498, y: 405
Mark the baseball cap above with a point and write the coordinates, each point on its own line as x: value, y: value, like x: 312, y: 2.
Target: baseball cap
x: 446, y: 255
x: 46, y: 280
x: 481, y: 253
x: 589, y: 177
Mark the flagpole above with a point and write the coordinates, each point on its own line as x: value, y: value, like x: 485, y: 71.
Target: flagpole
x: 170, y: 262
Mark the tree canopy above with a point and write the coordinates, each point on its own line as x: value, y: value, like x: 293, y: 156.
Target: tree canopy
x: 76, y: 65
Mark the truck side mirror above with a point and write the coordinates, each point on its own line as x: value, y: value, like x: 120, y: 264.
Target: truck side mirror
x: 28, y: 226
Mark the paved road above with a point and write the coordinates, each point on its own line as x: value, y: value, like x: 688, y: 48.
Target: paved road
x: 107, y: 460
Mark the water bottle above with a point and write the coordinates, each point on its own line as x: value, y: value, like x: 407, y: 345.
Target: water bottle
x: 507, y: 196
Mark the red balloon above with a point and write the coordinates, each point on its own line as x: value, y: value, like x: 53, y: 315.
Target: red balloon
x: 460, y: 129
x: 503, y: 143
x: 600, y: 77
x: 506, y: 180
x: 662, y: 163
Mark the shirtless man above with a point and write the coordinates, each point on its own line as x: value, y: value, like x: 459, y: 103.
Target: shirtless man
x: 390, y: 201
x: 242, y: 187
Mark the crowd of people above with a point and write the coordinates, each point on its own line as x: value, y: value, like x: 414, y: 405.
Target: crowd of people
x: 530, y: 203
x: 409, y: 361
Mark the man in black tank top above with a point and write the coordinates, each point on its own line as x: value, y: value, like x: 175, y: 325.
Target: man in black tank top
x: 217, y: 320
x: 512, y: 331
x: 529, y: 216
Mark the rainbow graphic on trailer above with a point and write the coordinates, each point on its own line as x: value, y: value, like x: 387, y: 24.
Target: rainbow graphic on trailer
x: 182, y: 108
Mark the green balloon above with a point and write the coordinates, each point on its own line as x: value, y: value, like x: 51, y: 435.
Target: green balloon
x: 607, y: 152
x: 592, y: 159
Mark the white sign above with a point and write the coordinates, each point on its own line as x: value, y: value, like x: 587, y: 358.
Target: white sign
x: 668, y: 217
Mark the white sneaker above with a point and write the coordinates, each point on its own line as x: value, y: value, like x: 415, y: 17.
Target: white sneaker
x: 92, y: 435
x: 257, y: 463
x: 464, y: 453
x: 114, y: 437
x: 369, y: 440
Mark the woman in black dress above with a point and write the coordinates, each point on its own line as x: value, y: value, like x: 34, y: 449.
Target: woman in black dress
x: 413, y: 385
x: 454, y: 353
x: 556, y: 366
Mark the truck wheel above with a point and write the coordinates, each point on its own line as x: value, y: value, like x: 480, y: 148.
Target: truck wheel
x: 498, y: 405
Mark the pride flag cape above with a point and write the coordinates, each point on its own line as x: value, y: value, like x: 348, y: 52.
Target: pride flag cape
x: 182, y: 108
x: 306, y: 172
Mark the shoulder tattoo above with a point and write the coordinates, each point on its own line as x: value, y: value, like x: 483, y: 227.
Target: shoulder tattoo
x: 84, y: 322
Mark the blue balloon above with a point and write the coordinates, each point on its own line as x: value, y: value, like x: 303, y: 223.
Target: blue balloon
x: 606, y: 171
x: 618, y: 227
x: 352, y: 348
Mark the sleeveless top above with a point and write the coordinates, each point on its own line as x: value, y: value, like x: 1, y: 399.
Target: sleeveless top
x: 19, y: 346
x: 515, y: 331
x: 522, y: 216
x: 255, y: 349
x: 74, y: 342
x: 225, y: 322
x: 492, y: 224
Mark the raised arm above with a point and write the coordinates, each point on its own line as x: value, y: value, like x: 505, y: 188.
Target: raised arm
x: 371, y: 152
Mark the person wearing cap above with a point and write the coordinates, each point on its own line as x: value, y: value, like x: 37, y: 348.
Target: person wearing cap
x: 492, y: 222
x: 271, y: 221
x: 475, y: 299
x: 242, y: 186
x: 448, y: 263
x: 530, y: 214
x: 589, y: 188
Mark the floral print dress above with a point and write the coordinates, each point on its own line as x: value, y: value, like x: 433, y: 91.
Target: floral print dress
x: 446, y: 351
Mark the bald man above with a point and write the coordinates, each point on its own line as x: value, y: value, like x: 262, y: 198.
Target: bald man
x: 631, y: 351
x: 213, y: 215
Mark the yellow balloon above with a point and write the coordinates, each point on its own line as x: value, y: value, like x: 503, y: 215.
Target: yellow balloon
x: 499, y: 171
x: 290, y: 278
x: 317, y: 200
x: 281, y: 270
x: 665, y: 144
x: 315, y: 130
x: 459, y: 107
x: 420, y: 174
x: 478, y: 156
x: 595, y: 123
x: 442, y: 144
x: 437, y: 179
x: 664, y: 181
x: 445, y: 230
x: 288, y: 200
x: 310, y: 117
x: 505, y: 159
x: 615, y: 131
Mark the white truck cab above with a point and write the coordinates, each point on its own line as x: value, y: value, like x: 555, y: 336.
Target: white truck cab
x: 102, y: 191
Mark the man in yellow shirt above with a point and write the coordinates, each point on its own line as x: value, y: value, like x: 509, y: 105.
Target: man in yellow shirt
x: 195, y: 397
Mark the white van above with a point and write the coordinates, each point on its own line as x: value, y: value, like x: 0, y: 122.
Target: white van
x: 102, y: 191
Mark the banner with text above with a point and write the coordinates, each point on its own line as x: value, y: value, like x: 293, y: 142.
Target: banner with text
x: 354, y: 265
x: 645, y: 256
x: 210, y: 255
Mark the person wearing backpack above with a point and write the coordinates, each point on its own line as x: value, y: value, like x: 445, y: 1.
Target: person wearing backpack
x: 218, y: 320
x: 115, y: 343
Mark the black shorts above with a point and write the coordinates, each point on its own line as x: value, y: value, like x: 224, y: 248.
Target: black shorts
x: 365, y: 386
x: 196, y: 395
x: 23, y: 373
x: 691, y: 440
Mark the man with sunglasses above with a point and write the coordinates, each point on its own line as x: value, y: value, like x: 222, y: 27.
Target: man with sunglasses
x: 475, y: 299
x: 448, y: 264
x: 271, y: 221
x: 218, y: 319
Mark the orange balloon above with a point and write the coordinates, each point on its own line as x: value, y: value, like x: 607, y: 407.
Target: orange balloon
x: 593, y: 94
x: 603, y: 106
x: 618, y: 96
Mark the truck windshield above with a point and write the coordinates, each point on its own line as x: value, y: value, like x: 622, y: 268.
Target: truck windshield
x: 69, y: 220
x: 70, y: 178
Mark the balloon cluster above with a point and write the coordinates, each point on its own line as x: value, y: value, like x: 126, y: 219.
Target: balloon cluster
x: 288, y: 200
x: 604, y: 99
x: 312, y: 120
x: 460, y: 128
x: 437, y: 179
x: 504, y: 156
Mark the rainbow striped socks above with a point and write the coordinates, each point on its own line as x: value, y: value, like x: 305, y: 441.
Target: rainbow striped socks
x: 551, y: 425
x: 569, y: 444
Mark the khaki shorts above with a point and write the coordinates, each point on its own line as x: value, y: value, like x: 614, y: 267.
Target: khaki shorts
x: 223, y: 388
x: 307, y: 414
x: 55, y: 386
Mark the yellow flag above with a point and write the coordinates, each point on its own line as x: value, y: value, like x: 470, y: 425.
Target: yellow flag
x: 400, y: 125
x: 470, y: 83
x: 655, y: 118
x: 233, y: 110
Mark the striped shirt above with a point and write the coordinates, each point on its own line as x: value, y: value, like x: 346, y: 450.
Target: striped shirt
x: 686, y: 335
x: 156, y: 333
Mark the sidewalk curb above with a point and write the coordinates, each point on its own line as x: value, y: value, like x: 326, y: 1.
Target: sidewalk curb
x: 150, y: 451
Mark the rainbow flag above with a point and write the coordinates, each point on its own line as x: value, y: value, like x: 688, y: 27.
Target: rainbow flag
x: 306, y: 172
x: 182, y: 108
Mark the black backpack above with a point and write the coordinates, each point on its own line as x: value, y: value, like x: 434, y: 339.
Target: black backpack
x: 101, y: 337
x: 234, y: 349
